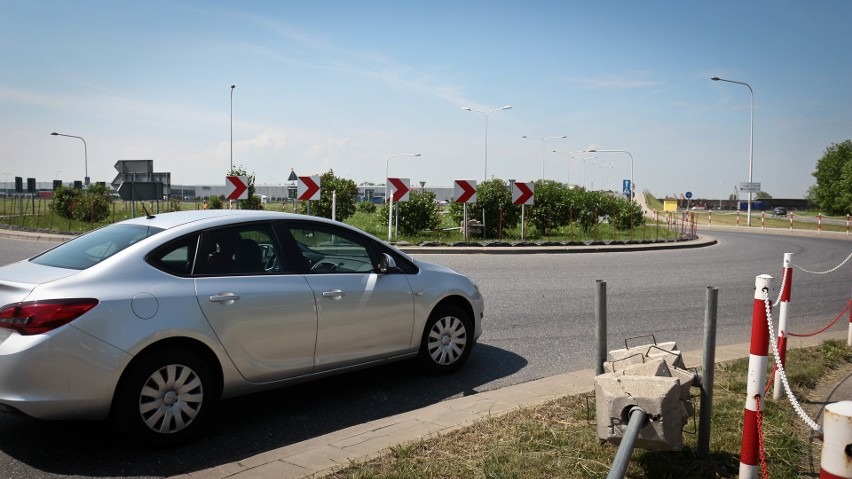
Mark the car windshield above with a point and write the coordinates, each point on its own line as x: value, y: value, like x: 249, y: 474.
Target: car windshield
x: 92, y: 248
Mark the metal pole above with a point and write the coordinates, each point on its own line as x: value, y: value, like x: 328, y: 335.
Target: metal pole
x: 635, y: 422
x: 707, y: 370
x: 600, y: 320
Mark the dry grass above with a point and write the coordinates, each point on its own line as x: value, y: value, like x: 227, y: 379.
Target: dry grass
x: 558, y: 439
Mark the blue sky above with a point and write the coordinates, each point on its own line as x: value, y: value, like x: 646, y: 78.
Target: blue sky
x: 344, y: 85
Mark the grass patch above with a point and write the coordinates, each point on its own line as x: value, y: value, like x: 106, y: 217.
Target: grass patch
x: 558, y: 439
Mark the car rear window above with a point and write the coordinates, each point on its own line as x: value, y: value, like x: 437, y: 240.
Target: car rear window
x: 92, y: 248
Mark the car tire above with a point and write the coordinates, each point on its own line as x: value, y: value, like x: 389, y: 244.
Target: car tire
x: 165, y: 398
x: 447, y: 340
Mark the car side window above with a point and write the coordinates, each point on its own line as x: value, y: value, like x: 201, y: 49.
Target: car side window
x: 240, y: 250
x: 175, y: 257
x: 327, y: 249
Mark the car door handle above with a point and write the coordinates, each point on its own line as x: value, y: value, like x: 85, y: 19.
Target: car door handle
x: 333, y: 294
x: 224, y: 297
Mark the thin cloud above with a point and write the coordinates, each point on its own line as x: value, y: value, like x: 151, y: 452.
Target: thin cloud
x: 612, y: 82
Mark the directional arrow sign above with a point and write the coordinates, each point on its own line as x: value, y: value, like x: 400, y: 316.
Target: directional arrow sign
x: 308, y: 188
x: 401, y: 187
x: 238, y: 187
x: 523, y: 193
x: 464, y: 191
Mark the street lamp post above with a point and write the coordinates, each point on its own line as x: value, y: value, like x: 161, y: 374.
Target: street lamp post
x: 387, y: 164
x: 85, y: 156
x: 568, y: 170
x: 543, y: 148
x: 750, y: 139
x: 632, y: 184
x: 232, y: 129
x: 584, y: 168
x: 465, y: 108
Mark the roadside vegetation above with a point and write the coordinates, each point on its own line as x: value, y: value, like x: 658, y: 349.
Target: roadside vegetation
x: 558, y: 439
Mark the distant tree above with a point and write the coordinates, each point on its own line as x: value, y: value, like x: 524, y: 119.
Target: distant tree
x: 89, y: 205
x: 346, y: 190
x: 833, y: 191
x: 215, y: 203
x: 418, y: 214
x: 762, y: 195
x: 494, y: 198
x: 732, y: 197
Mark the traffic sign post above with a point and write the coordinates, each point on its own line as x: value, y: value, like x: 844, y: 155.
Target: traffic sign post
x: 401, y: 188
x: 523, y: 194
x: 626, y: 188
x: 464, y: 192
x: 237, y: 187
x: 308, y: 188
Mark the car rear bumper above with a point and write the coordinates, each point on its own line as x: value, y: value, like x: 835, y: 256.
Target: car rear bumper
x: 65, y: 374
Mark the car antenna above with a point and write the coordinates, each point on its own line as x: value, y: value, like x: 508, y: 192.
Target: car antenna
x: 148, y: 216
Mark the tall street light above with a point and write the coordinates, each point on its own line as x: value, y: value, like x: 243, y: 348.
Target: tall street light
x: 387, y: 164
x: 750, y: 139
x: 232, y: 129
x: 85, y: 156
x: 632, y: 184
x: 568, y: 170
x: 486, y: 114
x: 543, y: 148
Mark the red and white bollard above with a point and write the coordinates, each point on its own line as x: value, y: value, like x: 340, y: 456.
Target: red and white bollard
x: 762, y: 219
x: 791, y: 221
x: 849, y: 333
x: 757, y: 360
x: 837, y: 433
x: 847, y: 224
x: 738, y: 218
x: 783, y: 311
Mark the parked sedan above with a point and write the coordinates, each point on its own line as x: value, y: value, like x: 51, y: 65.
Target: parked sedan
x: 149, y: 322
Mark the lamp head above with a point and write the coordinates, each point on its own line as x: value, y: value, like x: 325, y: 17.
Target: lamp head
x: 466, y: 108
x: 507, y: 107
x: 54, y: 133
x: 233, y: 86
x: 715, y: 78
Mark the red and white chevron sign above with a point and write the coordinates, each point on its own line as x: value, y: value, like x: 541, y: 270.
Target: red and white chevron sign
x: 308, y: 188
x: 464, y: 191
x: 400, y: 187
x: 238, y: 187
x: 523, y: 193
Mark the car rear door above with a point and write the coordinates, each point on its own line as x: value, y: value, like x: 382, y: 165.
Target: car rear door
x: 263, y: 314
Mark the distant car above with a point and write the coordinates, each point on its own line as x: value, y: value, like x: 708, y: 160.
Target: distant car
x: 152, y: 320
x: 779, y: 211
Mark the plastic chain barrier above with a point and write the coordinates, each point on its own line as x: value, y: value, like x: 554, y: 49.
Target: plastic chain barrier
x: 780, y: 370
x: 825, y: 272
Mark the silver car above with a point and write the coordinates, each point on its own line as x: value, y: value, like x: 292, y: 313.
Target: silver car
x: 150, y: 321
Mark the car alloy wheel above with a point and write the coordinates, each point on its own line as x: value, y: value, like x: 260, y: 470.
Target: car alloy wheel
x: 447, y: 340
x: 164, y: 398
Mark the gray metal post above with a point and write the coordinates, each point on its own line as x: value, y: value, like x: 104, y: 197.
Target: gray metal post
x: 600, y: 318
x: 635, y: 422
x: 707, y: 368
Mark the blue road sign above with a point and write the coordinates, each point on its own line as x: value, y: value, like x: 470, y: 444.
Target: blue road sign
x: 625, y: 188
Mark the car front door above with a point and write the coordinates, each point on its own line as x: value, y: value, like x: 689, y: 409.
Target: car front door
x: 363, y: 314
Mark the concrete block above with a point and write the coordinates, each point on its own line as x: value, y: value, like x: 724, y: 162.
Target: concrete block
x: 659, y: 397
x: 652, y: 367
x: 614, y: 365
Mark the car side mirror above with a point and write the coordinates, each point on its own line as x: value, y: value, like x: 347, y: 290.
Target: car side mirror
x: 387, y: 264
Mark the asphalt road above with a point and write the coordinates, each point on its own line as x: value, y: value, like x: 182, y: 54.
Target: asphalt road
x: 539, y: 321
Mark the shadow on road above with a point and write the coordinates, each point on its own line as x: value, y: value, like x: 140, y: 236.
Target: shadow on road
x: 247, y: 426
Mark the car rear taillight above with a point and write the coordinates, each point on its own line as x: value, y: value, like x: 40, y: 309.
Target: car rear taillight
x: 37, y: 317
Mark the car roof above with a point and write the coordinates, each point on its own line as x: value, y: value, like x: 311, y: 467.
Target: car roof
x: 177, y: 218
